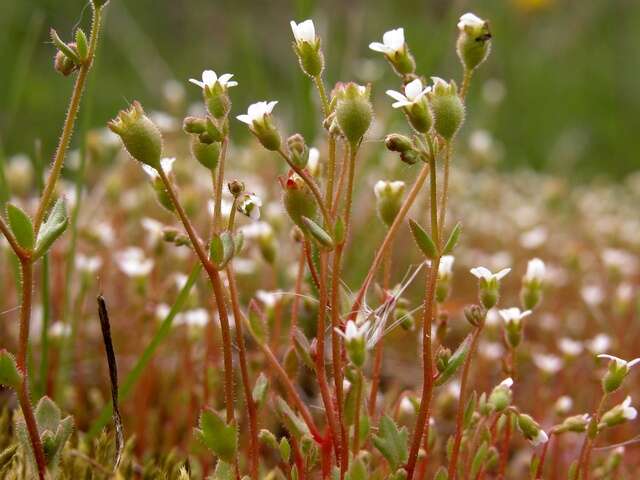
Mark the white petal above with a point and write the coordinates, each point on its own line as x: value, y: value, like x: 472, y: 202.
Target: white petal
x: 413, y: 89
x: 502, y: 273
x: 397, y: 96
x: 481, y: 272
x: 197, y: 82
x: 152, y: 172
x: 232, y: 83
x: 379, y: 47
x: 245, y: 119
x: 630, y: 413
x: 209, y: 77
x: 394, y: 39
x: 224, y: 78
x: 269, y: 106
x: 507, y: 382
x: 631, y: 363
x: 307, y: 31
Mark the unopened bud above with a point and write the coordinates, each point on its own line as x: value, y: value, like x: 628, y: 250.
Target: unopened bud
x: 396, y: 142
x: 298, y: 151
x: 236, y: 187
x: 194, y: 125
x: 448, y: 109
x: 353, y: 112
x: 141, y: 137
x: 474, y: 41
x: 207, y: 154
x: 389, y: 199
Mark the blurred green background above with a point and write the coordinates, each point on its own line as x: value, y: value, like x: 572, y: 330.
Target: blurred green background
x: 559, y: 92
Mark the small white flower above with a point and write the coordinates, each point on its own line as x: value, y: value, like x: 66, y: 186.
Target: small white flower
x: 304, y: 32
x: 88, y: 264
x: 620, y: 363
x: 550, y: 364
x: 570, y: 347
x: 413, y: 92
x: 599, y: 344
x: 250, y: 206
x: 507, y: 382
x: 268, y: 299
x: 535, y: 271
x: 395, y: 187
x: 628, y: 412
x: 392, y: 42
x: 564, y: 404
x: 470, y: 20
x: 513, y: 314
x: 196, y: 318
x: 353, y: 332
x: 540, y: 438
x: 166, y: 164
x: 593, y: 295
x: 133, y: 263
x: 59, y: 330
x: 257, y: 112
x: 313, y: 164
x: 445, y: 268
x: 406, y: 406
x: 483, y: 273
x: 209, y: 79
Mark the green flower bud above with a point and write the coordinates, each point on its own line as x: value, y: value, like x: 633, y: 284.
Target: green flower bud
x: 410, y: 157
x: 298, y: 150
x: 475, y: 315
x: 474, y: 41
x: 501, y: 395
x: 513, y: 325
x: 388, y: 199
x: 307, y: 47
x: 531, y: 430
x: 141, y: 137
x: 194, y: 125
x: 206, y: 153
x: 353, y: 112
x: 267, y: 438
x: 621, y: 413
x: 447, y: 108
x: 298, y: 201
x: 398, y: 143
x: 442, y: 359
x: 355, y: 342
x: 532, y: 283
x: 576, y: 424
x: 489, y: 285
x: 616, y: 373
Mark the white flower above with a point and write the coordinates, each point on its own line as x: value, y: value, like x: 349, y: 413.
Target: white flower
x: 304, y: 32
x: 445, y: 268
x: 628, y: 412
x: 250, y: 206
x: 548, y: 363
x: 535, y: 271
x: 313, y: 163
x: 563, y: 404
x: 507, y: 382
x: 59, y: 330
x: 353, y: 332
x: 133, y: 263
x: 198, y: 317
x: 599, y: 343
x: 395, y: 187
x: 406, y: 406
x: 620, y: 363
x: 268, y: 299
x: 166, y: 164
x: 257, y: 112
x: 540, y: 438
x: 513, y: 314
x: 209, y: 79
x: 392, y: 42
x: 88, y: 264
x: 413, y: 92
x: 483, y: 273
x: 570, y: 347
x: 593, y: 295
x: 470, y: 20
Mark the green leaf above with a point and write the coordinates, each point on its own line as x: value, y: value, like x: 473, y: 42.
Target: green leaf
x: 339, y: 231
x: 478, y: 459
x: 357, y: 471
x: 259, y: 392
x: 454, y: 362
x: 318, y: 233
x: 453, y: 239
x: 392, y: 442
x: 220, y: 438
x: 302, y: 347
x: 55, y: 225
x: 63, y: 47
x: 222, y: 249
x: 21, y: 226
x: 257, y: 326
x: 82, y: 45
x: 285, y: 450
x: 9, y: 373
x: 47, y: 415
x: 423, y: 240
x: 224, y: 471
x: 292, y: 422
x: 470, y: 409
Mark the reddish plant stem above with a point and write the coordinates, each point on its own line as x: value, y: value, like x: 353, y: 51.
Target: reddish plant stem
x: 312, y: 267
x: 543, y: 457
x: 254, y: 446
x: 295, y: 305
x: 356, y: 416
x: 453, y: 462
x: 504, y: 450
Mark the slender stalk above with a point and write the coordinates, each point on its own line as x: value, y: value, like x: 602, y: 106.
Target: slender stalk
x: 13, y: 243
x: 217, y: 209
x: 244, y: 373
x: 356, y: 418
x: 445, y: 186
x: 216, y: 283
x: 587, y: 446
x: 67, y: 129
x: 466, y: 80
x: 23, y: 392
x: 429, y: 303
x: 504, y: 449
x: 331, y: 172
x: 453, y: 462
x: 295, y: 305
x: 323, y: 95
x: 543, y: 456
x: 388, y: 239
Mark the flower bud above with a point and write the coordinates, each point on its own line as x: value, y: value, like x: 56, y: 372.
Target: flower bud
x: 576, y: 424
x: 64, y: 64
x: 619, y: 414
x: 445, y: 272
x: 250, y: 206
x: 260, y: 122
x: 353, y: 112
x: 267, y: 438
x: 474, y: 41
x: 194, y: 125
x: 141, y: 137
x: 616, y: 373
x: 475, y: 315
x: 531, y: 430
x: 501, y: 395
x: 410, y: 157
x: 396, y: 142
x: 447, y: 108
x: 532, y: 283
x: 442, y: 359
x: 298, y: 151
x: 513, y: 325
x: 388, y: 199
x: 355, y: 342
x: 298, y: 201
x: 307, y: 47
x: 236, y: 187
x: 206, y: 153
x: 489, y: 285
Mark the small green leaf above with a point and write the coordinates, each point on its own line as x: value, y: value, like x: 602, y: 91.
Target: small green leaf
x: 455, y: 361
x: 292, y: 422
x: 285, y: 450
x: 259, y: 392
x: 339, y: 231
x: 423, y: 240
x: 21, y: 226
x: 82, y: 45
x: 64, y: 48
x: 318, y: 233
x: 392, y: 442
x: 48, y: 415
x: 9, y: 373
x: 224, y: 249
x: 302, y: 347
x: 453, y: 239
x: 257, y: 326
x: 220, y: 438
x: 470, y: 409
x: 55, y: 225
x: 478, y: 459
x: 224, y: 471
x: 357, y: 471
